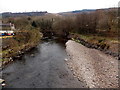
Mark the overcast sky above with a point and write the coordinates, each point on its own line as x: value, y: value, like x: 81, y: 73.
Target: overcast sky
x: 54, y: 6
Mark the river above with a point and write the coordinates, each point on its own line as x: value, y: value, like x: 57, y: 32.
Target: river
x: 43, y: 67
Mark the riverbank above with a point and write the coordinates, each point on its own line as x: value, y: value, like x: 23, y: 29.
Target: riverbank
x: 91, y: 66
x: 43, y: 67
x: 16, y: 46
x: 107, y: 45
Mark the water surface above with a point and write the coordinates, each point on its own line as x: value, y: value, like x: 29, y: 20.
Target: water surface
x: 43, y: 67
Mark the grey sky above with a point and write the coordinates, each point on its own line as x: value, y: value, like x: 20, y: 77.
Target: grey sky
x: 54, y: 6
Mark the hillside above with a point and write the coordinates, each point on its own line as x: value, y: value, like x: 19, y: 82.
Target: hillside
x: 70, y: 13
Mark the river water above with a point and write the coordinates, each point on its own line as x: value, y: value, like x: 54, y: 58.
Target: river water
x: 43, y: 67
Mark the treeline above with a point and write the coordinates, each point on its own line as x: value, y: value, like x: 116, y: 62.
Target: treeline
x: 103, y: 22
x: 9, y: 14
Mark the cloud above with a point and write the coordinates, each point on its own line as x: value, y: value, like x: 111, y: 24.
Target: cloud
x: 54, y: 5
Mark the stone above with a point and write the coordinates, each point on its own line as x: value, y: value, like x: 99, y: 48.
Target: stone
x: 3, y: 84
x: 66, y: 59
x: 32, y: 55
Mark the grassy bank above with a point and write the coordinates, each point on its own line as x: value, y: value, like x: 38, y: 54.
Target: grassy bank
x: 107, y: 43
x: 20, y: 43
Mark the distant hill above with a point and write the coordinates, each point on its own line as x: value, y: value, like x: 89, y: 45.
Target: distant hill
x: 9, y: 14
x: 76, y: 11
x: 70, y: 13
x: 84, y: 10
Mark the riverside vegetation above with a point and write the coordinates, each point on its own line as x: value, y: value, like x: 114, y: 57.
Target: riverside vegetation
x: 23, y: 41
x: 98, y: 27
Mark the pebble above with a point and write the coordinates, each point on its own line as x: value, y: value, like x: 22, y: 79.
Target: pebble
x: 32, y: 55
x: 3, y: 84
x: 66, y: 59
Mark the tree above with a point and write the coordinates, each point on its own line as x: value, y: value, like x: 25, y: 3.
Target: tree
x: 64, y: 26
x: 86, y: 22
x: 34, y: 24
